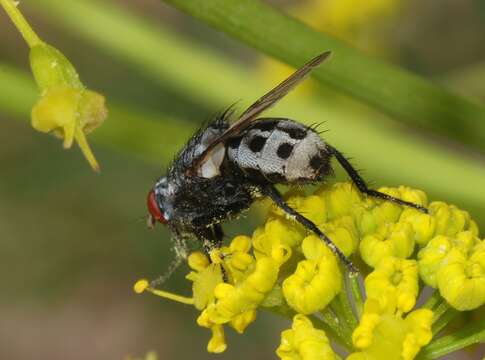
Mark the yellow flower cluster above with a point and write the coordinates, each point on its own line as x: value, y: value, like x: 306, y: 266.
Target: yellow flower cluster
x: 289, y: 270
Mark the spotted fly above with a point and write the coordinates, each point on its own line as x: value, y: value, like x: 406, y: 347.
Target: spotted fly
x: 226, y: 166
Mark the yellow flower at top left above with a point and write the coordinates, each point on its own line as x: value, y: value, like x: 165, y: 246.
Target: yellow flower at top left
x: 66, y: 108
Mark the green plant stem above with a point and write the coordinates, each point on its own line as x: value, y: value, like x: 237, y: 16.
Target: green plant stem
x: 395, y: 91
x: 336, y: 324
x: 439, y: 310
x: 357, y: 295
x: 286, y: 312
x: 346, y: 306
x: 11, y: 7
x: 444, y: 320
x: 469, y: 335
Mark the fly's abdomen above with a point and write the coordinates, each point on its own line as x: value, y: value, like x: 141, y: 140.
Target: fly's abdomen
x: 280, y: 151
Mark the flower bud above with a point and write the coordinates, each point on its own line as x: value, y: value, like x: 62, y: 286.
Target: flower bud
x: 66, y: 108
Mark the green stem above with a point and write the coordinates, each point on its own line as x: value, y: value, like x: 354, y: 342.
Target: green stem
x: 286, y: 312
x: 340, y: 330
x: 20, y: 22
x: 444, y: 320
x: 395, y: 91
x: 439, y: 310
x: 467, y: 336
x: 348, y: 313
x: 357, y: 295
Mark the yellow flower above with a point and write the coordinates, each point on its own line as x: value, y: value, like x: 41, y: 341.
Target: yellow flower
x: 461, y: 278
x: 277, y: 230
x: 433, y: 255
x: 304, y: 342
x: 284, y: 268
x: 312, y: 206
x: 374, y: 213
x: 343, y: 233
x: 217, y: 343
x: 234, y: 300
x: 394, y: 283
x: 389, y: 240
x: 424, y: 225
x: 340, y: 198
x: 450, y: 220
x: 384, y: 335
x: 316, y: 280
x: 66, y: 108
x: 204, y: 279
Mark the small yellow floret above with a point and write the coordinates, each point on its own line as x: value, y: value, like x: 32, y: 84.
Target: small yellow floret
x: 384, y: 335
x: 395, y: 240
x: 304, y: 342
x: 461, y: 280
x: 217, y: 343
x: 394, y: 283
x: 316, y: 280
x: 141, y: 285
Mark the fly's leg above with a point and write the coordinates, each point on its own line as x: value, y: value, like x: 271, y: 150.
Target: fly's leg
x: 274, y: 194
x: 181, y: 251
x: 213, y: 238
x: 362, y: 186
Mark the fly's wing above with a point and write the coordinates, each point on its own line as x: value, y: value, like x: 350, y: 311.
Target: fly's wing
x: 264, y: 103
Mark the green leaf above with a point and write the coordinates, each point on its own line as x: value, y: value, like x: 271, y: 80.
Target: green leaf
x: 394, y: 91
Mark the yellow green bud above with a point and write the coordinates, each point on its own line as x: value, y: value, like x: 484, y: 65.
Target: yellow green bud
x: 52, y: 69
x: 424, y: 225
x: 65, y: 108
x: 433, y: 255
x: 450, y: 220
x: 461, y: 279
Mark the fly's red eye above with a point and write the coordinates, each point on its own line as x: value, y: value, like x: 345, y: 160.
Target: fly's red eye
x: 154, y: 209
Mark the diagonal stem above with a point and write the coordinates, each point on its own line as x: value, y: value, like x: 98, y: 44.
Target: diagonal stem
x: 11, y: 7
x: 467, y: 336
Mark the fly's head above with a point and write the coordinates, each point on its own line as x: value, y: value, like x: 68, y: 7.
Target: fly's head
x: 159, y: 203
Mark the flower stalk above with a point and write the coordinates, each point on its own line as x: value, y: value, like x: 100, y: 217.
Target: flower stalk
x: 29, y: 35
x: 66, y: 107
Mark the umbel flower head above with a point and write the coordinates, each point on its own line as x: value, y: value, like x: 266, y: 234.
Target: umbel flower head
x: 401, y: 253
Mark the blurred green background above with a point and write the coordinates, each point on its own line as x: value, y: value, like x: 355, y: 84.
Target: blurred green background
x: 73, y: 242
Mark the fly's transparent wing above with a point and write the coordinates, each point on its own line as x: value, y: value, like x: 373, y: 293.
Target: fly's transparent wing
x: 261, y: 105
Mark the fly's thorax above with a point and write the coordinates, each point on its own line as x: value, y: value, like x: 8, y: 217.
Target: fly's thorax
x: 281, y: 151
